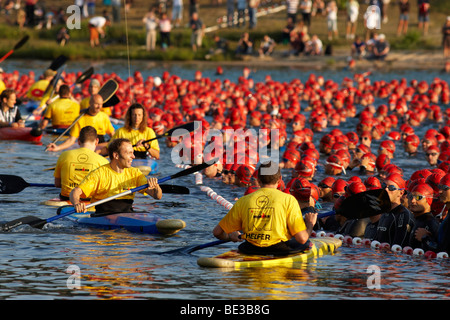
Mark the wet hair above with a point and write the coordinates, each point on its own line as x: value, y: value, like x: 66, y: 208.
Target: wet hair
x: 115, y: 145
x: 128, y: 120
x: 6, y: 94
x: 64, y: 90
x: 269, y: 173
x: 88, y: 134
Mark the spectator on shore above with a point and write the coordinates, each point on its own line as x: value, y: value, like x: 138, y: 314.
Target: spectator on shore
x: 318, y: 7
x: 177, y: 13
x: 358, y: 50
x: 446, y: 38
x: 404, y: 17
x: 370, y: 43
x: 241, y: 6
x: 62, y: 36
x: 165, y: 27
x: 194, y: 6
x: 292, y: 9
x: 332, y: 27
x: 151, y: 24
x: 267, y: 46
x: 381, y: 48
x: 297, y: 40
x: 306, y: 11
x: 230, y: 12
x: 314, y: 47
x: 352, y: 18
x: 30, y: 6
x: 252, y: 10
x: 221, y: 47
x: 423, y: 15
x: 372, y: 20
x: 97, y: 29
x: 286, y: 32
x: 197, y: 28
x: 245, y: 45
x: 115, y: 7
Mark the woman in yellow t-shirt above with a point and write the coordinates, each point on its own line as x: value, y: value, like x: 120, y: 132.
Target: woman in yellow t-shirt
x: 270, y: 220
x: 137, y: 131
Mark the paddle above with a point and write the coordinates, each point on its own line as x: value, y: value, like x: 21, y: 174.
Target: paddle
x: 39, y: 223
x: 190, y: 126
x: 16, y: 47
x: 10, y: 184
x: 108, y: 90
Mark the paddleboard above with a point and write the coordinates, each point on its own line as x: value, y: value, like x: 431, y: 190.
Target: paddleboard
x: 147, y: 166
x: 235, y: 259
x: 138, y: 222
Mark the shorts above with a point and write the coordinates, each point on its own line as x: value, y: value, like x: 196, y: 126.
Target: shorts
x: 404, y: 17
x: 332, y: 25
x: 424, y: 17
x: 352, y: 18
x: 93, y: 33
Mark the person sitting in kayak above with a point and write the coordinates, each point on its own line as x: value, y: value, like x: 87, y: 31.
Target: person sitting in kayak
x: 114, y: 178
x: 61, y: 112
x: 9, y: 112
x: 73, y: 165
x: 271, y: 220
x: 93, y: 117
x: 137, y: 131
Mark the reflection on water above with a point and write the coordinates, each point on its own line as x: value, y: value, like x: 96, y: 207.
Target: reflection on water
x: 120, y: 265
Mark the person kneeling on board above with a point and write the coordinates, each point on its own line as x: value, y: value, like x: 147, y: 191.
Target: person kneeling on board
x: 271, y: 220
x: 116, y: 177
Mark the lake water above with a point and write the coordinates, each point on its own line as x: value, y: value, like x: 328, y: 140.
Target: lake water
x: 36, y: 264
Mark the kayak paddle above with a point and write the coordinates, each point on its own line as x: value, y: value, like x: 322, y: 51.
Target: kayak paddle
x: 39, y: 223
x: 10, y: 184
x: 16, y: 47
x: 190, y: 126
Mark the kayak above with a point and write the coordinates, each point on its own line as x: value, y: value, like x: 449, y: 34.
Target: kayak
x: 235, y: 259
x: 147, y: 166
x: 21, y: 133
x: 138, y: 222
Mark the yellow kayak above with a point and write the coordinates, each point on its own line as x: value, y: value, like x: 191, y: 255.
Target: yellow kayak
x: 237, y: 260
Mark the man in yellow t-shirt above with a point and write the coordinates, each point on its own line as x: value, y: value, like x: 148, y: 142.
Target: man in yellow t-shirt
x: 112, y: 179
x: 94, y: 88
x: 94, y: 117
x: 61, y: 112
x: 271, y: 220
x: 2, y: 84
x: 73, y: 165
x: 37, y: 90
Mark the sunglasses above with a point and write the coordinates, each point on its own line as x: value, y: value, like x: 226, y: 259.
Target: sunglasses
x: 323, y: 186
x: 337, y: 195
x: 443, y: 187
x: 417, y: 197
x: 431, y: 154
x: 391, y: 187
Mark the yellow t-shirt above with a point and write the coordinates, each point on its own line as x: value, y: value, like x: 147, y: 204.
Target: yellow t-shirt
x: 135, y: 135
x: 62, y: 112
x: 37, y: 90
x: 104, y: 182
x: 85, y: 104
x: 100, y: 122
x: 2, y: 86
x: 266, y: 217
x: 73, y: 165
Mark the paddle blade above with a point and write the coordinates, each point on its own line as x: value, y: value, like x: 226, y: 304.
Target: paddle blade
x: 21, y: 42
x: 85, y: 75
x: 111, y: 102
x: 34, y: 222
x: 108, y: 89
x: 194, y: 169
x: 58, y: 62
x: 365, y: 204
x: 10, y: 184
x: 168, y: 188
x: 190, y: 249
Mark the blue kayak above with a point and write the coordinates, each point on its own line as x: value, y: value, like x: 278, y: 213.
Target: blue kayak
x: 138, y: 222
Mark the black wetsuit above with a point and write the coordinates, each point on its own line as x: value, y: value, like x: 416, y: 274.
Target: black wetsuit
x: 428, y: 222
x: 371, y: 230
x: 395, y: 226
